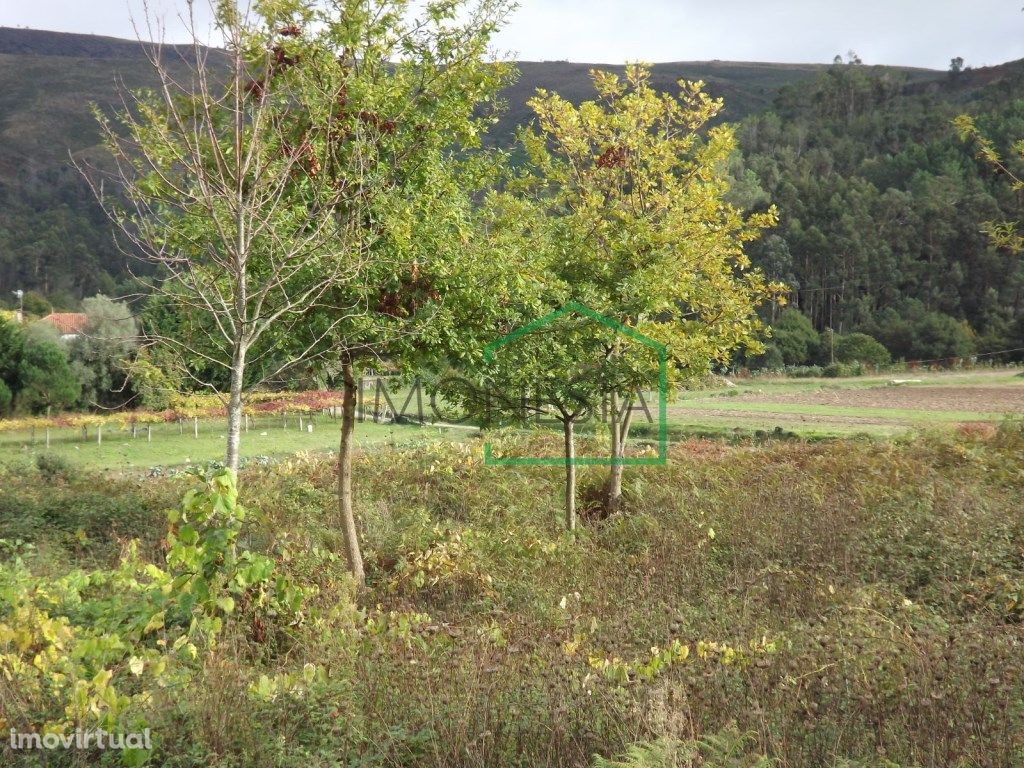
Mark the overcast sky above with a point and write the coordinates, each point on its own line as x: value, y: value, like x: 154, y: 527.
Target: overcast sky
x: 924, y: 33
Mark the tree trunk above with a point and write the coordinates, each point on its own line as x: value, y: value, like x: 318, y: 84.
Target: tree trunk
x: 235, y: 411
x: 620, y: 423
x: 570, y: 475
x: 345, y: 505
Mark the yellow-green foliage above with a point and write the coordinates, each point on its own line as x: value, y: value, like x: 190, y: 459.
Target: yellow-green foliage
x: 90, y: 649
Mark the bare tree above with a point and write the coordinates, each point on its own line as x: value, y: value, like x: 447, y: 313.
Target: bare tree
x: 220, y: 185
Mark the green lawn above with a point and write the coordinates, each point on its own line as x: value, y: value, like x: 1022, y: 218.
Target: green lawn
x: 266, y: 437
x: 704, y: 412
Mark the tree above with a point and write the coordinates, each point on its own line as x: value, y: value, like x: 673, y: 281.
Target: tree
x: 410, y: 98
x: 6, y: 398
x: 225, y: 172
x: 46, y: 378
x: 1003, y: 234
x: 12, y: 341
x: 35, y: 304
x: 554, y: 367
x: 102, y: 356
x: 872, y: 218
x: 794, y: 335
x: 635, y: 187
x: 861, y: 348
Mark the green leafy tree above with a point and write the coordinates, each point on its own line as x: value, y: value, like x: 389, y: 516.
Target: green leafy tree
x: 38, y: 332
x: 6, y: 398
x: 1004, y: 234
x: 12, y: 341
x: 794, y: 336
x: 231, y: 196
x: 35, y: 304
x: 409, y: 95
x: 912, y: 332
x: 102, y: 355
x: 46, y: 378
x: 635, y: 184
x: 553, y: 368
x: 861, y: 348
x: 869, y: 222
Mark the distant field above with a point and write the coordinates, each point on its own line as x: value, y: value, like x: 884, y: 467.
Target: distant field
x: 837, y: 407
x: 119, y: 451
x: 809, y: 408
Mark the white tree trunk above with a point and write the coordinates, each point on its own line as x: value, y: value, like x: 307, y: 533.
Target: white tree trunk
x: 235, y: 414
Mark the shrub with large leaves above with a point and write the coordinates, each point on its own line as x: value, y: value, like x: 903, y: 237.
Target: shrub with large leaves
x: 91, y: 648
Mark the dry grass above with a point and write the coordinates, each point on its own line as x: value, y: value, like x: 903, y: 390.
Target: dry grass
x: 889, y: 575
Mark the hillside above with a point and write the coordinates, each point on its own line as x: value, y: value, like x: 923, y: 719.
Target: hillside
x: 53, y: 238
x: 747, y: 87
x: 883, y: 207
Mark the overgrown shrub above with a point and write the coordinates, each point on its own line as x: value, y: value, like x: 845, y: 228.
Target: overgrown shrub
x: 91, y: 649
x: 726, y: 749
x: 805, y: 371
x: 52, y: 467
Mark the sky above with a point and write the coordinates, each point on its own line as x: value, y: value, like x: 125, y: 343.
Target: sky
x: 925, y: 33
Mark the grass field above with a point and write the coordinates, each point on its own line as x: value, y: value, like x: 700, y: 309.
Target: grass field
x: 806, y: 408
x: 119, y: 451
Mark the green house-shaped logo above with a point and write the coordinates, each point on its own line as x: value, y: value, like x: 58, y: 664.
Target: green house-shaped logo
x: 492, y: 350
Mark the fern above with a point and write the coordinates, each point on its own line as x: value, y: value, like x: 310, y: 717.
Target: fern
x: 726, y: 749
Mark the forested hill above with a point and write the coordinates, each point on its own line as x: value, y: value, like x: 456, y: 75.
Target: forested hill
x: 881, y: 205
x: 53, y: 238
x: 880, y: 202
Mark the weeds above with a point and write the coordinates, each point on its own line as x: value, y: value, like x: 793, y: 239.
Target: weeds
x: 847, y: 604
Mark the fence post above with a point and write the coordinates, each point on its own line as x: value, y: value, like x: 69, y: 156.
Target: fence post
x: 99, y: 434
x: 195, y: 426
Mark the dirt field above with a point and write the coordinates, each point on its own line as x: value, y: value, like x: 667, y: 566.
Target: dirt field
x: 981, y: 398
x: 876, y: 405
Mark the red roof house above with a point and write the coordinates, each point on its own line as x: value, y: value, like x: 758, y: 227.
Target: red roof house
x: 68, y: 324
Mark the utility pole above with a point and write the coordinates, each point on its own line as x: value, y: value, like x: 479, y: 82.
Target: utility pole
x: 20, y: 317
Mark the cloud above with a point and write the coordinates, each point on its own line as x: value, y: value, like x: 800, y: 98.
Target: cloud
x: 909, y: 32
